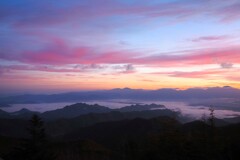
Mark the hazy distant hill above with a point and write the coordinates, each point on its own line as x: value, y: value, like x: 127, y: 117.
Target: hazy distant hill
x: 126, y: 93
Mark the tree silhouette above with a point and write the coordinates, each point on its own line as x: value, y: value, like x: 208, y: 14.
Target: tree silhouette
x: 36, y: 146
x: 212, y: 117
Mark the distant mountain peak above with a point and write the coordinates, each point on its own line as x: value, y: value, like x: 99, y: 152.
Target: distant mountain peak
x: 23, y: 111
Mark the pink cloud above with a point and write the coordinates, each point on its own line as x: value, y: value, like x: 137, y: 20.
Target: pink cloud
x: 62, y: 55
x: 233, y: 78
x: 230, y: 75
x: 195, y: 57
x: 59, y: 52
x: 55, y: 56
x: 196, y: 74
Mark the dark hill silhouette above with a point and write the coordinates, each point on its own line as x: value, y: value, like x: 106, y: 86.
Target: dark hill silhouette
x: 59, y: 127
x: 233, y: 119
x: 22, y: 111
x: 78, y: 109
x: 195, y: 126
x: 74, y: 111
x: 23, y: 114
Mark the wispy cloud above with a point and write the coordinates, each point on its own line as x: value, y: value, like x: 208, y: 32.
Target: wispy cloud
x: 229, y: 12
x: 211, y: 38
x: 226, y: 65
x: 129, y: 68
x: 57, y: 69
x: 197, y: 74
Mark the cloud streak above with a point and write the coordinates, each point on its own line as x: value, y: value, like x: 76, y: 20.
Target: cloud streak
x: 226, y: 65
x: 211, y: 38
x: 44, y: 13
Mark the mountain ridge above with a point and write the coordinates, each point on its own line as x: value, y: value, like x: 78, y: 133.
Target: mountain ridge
x: 125, y: 93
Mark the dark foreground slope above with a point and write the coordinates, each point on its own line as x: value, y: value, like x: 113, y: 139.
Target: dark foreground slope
x: 140, y: 139
x: 94, y: 132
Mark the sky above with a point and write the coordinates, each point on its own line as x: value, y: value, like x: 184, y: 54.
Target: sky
x: 58, y: 45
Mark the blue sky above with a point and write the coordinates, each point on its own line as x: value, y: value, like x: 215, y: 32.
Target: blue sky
x: 50, y: 46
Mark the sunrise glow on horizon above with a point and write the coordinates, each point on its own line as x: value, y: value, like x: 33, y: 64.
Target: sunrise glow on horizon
x: 55, y: 46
